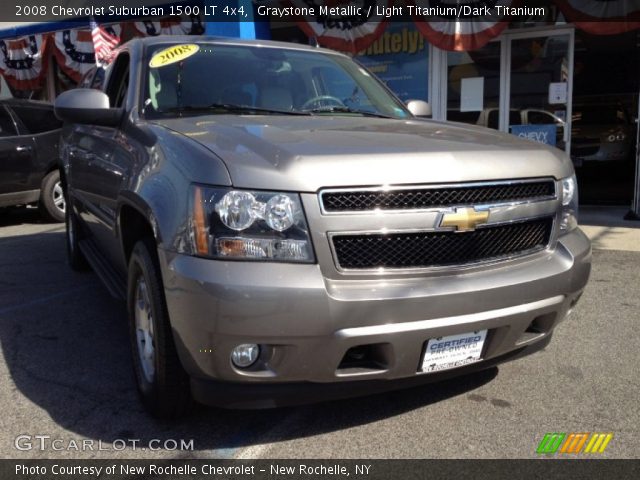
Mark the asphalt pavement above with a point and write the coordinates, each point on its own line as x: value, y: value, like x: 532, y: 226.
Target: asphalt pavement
x: 67, y: 391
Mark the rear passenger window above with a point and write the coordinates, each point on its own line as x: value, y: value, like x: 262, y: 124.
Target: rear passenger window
x: 37, y: 119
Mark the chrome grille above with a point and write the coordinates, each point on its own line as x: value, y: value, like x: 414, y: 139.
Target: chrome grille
x: 415, y: 198
x: 436, y: 249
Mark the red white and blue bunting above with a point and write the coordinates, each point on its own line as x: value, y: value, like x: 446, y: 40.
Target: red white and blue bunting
x: 602, y: 17
x: 351, y: 32
x: 188, y: 25
x: 355, y: 33
x: 23, y: 62
x: 74, y: 50
x: 450, y: 33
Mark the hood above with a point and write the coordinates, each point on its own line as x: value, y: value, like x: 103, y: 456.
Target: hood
x: 305, y: 154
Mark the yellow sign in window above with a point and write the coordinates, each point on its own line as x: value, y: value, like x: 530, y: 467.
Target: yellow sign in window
x: 173, y: 54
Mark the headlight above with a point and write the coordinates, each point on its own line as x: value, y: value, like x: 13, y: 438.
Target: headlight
x: 569, y: 204
x: 248, y: 225
x: 616, y: 137
x: 236, y: 210
x: 569, y: 190
x: 279, y: 212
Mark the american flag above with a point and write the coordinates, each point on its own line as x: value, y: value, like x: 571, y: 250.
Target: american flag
x: 103, y: 43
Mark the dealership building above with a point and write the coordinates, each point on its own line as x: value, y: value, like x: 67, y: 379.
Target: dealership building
x: 565, y: 72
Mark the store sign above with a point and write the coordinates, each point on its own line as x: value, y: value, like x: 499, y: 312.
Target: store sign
x: 400, y: 58
x: 536, y: 133
x: 558, y: 93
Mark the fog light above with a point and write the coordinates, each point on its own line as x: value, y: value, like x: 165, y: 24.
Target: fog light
x: 245, y: 355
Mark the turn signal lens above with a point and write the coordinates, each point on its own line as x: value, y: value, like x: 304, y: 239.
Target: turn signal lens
x: 199, y: 224
x: 262, y: 248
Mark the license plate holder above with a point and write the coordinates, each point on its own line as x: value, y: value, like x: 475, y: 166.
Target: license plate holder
x: 452, y: 351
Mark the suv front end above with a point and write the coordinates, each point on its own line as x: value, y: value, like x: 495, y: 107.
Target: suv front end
x: 341, y: 291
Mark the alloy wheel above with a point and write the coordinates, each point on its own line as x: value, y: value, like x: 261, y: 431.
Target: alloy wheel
x: 58, y: 197
x: 144, y: 330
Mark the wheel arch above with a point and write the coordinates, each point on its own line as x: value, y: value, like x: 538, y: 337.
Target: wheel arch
x: 135, y: 220
x: 54, y: 165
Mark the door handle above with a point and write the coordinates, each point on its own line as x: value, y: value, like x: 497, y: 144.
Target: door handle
x: 23, y: 148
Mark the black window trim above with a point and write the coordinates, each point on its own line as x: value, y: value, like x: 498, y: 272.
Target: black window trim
x: 111, y: 77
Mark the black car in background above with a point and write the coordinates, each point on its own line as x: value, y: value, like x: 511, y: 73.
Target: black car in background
x: 602, y: 133
x: 29, y: 133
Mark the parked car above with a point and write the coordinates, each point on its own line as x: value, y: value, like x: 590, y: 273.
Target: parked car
x: 286, y: 230
x: 489, y: 117
x: 601, y: 133
x: 29, y: 133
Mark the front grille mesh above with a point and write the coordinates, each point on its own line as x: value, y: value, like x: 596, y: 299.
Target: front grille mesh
x: 435, y: 249
x: 420, y: 198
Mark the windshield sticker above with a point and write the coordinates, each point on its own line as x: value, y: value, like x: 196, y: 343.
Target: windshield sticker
x: 173, y: 54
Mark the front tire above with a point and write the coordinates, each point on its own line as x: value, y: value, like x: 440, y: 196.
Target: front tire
x: 52, y: 203
x: 162, y: 382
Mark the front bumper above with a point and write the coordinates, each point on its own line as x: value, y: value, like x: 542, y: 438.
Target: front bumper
x: 306, y: 322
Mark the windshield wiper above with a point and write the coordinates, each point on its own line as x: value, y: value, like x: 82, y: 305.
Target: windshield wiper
x: 345, y: 109
x: 230, y: 108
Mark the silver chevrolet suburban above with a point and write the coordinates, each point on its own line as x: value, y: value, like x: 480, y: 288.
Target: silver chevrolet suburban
x: 285, y: 230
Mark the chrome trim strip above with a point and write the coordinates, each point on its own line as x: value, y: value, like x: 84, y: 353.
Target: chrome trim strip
x: 551, y: 245
x: 434, y: 187
x: 393, y: 328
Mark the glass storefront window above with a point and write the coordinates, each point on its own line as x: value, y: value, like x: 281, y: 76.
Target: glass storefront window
x: 473, y: 86
x: 400, y: 58
x: 540, y: 88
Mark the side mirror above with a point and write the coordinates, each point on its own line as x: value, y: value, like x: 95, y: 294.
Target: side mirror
x: 87, y: 106
x: 419, y: 108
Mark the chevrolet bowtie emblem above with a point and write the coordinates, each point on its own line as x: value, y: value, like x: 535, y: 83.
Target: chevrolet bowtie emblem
x: 464, y: 219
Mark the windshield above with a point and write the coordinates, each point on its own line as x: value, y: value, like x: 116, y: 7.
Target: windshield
x: 206, y: 78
